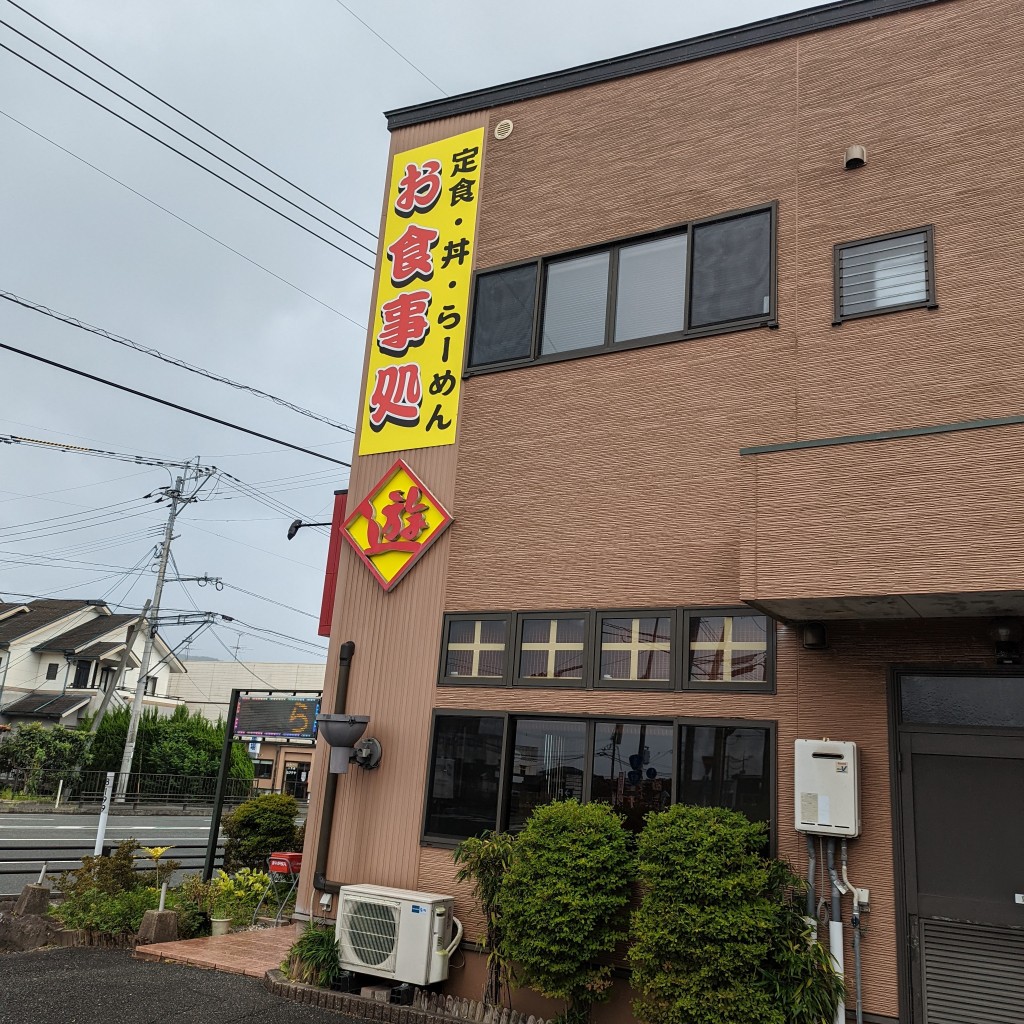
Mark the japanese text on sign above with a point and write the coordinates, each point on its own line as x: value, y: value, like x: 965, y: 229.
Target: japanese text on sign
x: 415, y: 364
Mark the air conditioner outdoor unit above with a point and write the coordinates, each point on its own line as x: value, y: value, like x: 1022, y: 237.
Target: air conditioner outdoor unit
x: 396, y: 934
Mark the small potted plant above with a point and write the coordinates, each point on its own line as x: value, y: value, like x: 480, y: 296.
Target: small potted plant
x: 220, y: 915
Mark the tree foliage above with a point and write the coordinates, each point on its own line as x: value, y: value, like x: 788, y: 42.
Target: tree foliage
x: 184, y: 743
x: 259, y: 827
x: 484, y: 861
x: 719, y: 937
x: 30, y: 745
x: 563, y: 901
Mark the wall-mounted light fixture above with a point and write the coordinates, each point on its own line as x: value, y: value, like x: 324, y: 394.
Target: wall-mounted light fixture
x: 855, y: 156
x: 813, y: 636
x: 1007, y: 633
x: 344, y: 736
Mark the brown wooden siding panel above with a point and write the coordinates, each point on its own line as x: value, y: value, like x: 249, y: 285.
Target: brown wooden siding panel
x: 932, y: 514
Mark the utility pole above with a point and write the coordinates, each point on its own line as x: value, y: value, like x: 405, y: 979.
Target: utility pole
x: 115, y: 683
x: 178, y: 498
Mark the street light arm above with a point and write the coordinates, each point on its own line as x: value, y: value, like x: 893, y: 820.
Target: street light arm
x: 298, y: 524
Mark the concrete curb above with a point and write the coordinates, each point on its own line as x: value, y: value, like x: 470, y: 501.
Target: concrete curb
x: 45, y: 807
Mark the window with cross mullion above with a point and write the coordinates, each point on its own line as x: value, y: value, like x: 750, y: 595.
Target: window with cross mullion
x: 635, y: 650
x: 475, y: 649
x: 552, y: 649
x: 728, y: 649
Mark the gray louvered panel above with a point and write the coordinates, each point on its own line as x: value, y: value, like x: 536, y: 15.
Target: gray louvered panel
x: 972, y: 974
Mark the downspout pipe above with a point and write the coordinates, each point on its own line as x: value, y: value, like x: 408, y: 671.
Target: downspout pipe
x: 323, y: 845
x: 835, y: 925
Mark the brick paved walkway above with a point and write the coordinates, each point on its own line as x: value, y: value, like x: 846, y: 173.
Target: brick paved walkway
x: 252, y: 953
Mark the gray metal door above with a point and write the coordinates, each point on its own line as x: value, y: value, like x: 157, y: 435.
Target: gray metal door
x: 962, y: 793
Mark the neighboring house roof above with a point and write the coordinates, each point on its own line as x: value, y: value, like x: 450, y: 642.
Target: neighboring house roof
x: 76, y: 640
x: 39, y: 614
x: 785, y: 26
x: 97, y: 651
x: 46, y: 705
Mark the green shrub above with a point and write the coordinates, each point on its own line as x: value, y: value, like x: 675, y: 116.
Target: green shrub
x: 314, y: 959
x: 259, y: 827
x: 110, y: 875
x: 563, y: 899
x: 484, y: 860
x: 109, y: 913
x: 236, y: 896
x: 719, y: 937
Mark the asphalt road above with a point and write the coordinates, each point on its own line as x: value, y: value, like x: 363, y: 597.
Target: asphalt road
x: 39, y: 835
x: 101, y: 986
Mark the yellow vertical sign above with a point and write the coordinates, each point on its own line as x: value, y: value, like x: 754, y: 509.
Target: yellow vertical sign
x: 419, y: 333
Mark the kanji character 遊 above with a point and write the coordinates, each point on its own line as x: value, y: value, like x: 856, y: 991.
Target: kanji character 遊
x: 404, y: 322
x: 404, y: 521
x: 397, y: 394
x: 419, y: 188
x: 410, y: 254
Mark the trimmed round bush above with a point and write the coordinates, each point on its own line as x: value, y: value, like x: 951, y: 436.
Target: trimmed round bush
x: 563, y: 901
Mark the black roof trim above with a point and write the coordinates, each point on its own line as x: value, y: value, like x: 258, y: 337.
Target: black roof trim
x: 769, y: 30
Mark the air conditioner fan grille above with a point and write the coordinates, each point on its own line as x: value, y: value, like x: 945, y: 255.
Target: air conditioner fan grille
x: 370, y: 933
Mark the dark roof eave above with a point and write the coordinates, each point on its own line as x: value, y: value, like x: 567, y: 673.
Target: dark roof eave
x: 797, y: 23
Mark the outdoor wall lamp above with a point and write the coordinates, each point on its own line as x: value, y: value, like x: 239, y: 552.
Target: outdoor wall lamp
x: 343, y: 734
x: 854, y: 157
x: 1007, y: 632
x: 813, y: 636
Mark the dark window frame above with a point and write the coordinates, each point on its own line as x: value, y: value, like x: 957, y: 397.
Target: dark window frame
x: 772, y: 726
x: 613, y: 247
x: 510, y: 647
x: 767, y: 685
x: 447, y: 842
x: 590, y: 721
x: 593, y: 619
x: 929, y: 302
x: 55, y: 666
x: 585, y: 682
x: 260, y: 762
x: 655, y: 686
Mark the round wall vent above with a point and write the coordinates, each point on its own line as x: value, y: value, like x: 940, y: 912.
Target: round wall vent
x: 503, y: 129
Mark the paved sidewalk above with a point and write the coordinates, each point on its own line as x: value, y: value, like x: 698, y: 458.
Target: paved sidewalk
x: 251, y: 953
x: 108, y: 986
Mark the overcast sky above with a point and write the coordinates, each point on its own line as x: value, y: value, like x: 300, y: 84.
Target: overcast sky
x: 301, y: 85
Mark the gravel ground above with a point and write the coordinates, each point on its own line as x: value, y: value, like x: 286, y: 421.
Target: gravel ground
x: 101, y: 986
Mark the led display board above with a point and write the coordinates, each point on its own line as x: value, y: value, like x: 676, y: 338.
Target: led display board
x: 291, y: 718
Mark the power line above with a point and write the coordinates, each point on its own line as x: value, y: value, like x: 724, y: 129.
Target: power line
x: 171, y: 405
x: 391, y: 48
x: 192, y: 120
x: 173, y: 360
x: 182, y: 135
x: 182, y: 220
x: 260, y: 597
x: 185, y: 156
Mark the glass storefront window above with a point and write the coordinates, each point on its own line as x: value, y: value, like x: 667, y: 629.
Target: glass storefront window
x: 465, y: 770
x: 548, y: 762
x: 632, y: 768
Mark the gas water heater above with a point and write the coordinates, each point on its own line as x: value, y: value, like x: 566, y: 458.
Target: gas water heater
x: 827, y: 788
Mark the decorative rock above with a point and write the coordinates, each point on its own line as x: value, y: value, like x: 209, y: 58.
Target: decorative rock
x: 34, y: 899
x: 158, y: 926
